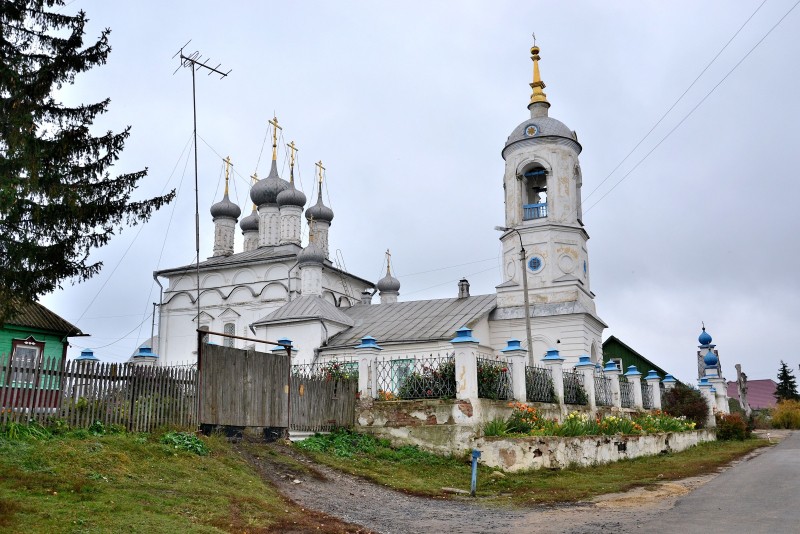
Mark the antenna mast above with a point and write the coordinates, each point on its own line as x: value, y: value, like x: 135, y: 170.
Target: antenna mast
x: 195, y: 61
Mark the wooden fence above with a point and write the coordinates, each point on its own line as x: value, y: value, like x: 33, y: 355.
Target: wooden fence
x: 321, y: 404
x: 138, y: 398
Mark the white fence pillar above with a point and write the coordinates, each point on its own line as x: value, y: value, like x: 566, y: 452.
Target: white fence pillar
x: 367, y: 353
x: 586, y: 368
x: 655, y: 389
x: 517, y: 358
x: 669, y: 382
x: 705, y: 388
x: 466, y: 350
x: 555, y: 363
x: 612, y: 372
x: 635, y: 378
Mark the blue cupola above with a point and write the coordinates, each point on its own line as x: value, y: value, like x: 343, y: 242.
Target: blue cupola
x: 704, y: 338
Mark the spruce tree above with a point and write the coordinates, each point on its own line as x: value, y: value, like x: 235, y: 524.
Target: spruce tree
x: 58, y: 200
x: 787, y: 386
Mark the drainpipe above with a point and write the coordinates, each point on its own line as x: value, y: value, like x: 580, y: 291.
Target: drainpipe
x: 160, y: 302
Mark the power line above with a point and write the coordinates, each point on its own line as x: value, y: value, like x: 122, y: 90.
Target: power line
x: 675, y: 103
x: 694, y: 108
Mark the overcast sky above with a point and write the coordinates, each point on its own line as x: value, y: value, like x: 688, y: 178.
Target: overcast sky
x: 408, y: 105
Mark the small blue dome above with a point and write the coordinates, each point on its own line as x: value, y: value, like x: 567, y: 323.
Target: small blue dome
x: 88, y: 355
x: 705, y: 337
x: 710, y: 359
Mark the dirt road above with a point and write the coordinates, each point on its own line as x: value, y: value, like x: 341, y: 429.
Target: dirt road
x: 387, y: 511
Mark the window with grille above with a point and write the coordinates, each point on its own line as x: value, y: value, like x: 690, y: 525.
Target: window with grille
x: 229, y: 328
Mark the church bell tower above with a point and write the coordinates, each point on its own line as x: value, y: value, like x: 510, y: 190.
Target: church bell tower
x: 542, y: 185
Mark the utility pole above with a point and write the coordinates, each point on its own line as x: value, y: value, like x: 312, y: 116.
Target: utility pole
x: 194, y: 61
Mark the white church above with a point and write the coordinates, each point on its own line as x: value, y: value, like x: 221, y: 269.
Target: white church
x: 276, y: 289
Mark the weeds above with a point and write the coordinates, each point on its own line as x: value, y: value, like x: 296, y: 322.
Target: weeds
x: 185, y: 441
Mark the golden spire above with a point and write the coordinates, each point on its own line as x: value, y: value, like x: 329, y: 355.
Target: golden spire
x: 537, y: 85
x: 227, y: 173
x: 275, y: 128
x: 292, y: 149
x: 388, y: 263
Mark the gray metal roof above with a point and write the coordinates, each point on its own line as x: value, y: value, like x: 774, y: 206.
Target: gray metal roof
x: 419, y: 320
x: 261, y: 254
x: 307, y: 307
x: 545, y: 127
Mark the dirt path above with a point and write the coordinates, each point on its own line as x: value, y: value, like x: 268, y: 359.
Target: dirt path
x: 387, y: 511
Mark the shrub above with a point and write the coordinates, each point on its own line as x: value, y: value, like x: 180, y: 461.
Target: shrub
x: 688, y: 402
x: 185, y: 441
x: 495, y: 428
x: 435, y: 381
x: 731, y: 426
x: 786, y: 414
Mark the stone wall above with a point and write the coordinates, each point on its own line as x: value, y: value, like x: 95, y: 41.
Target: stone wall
x: 549, y: 452
x: 454, y: 426
x: 443, y: 426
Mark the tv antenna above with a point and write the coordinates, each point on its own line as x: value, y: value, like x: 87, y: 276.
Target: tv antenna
x: 195, y: 62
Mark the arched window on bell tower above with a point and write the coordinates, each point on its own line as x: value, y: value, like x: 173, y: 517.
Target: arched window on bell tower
x: 535, y: 199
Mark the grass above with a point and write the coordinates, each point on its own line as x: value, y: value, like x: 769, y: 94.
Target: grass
x: 415, y: 471
x: 133, y: 483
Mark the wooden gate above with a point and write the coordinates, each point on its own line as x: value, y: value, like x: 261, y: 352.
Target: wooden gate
x: 243, y: 388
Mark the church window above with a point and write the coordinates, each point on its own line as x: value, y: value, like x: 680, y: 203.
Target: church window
x: 535, y: 197
x: 230, y: 329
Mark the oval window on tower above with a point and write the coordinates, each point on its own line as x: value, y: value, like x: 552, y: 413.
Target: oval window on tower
x: 535, y: 264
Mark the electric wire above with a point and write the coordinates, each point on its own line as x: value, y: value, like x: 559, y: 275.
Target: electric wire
x: 689, y: 114
x: 660, y: 120
x: 141, y: 226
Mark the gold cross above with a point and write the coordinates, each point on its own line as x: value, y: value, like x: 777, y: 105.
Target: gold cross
x: 293, y: 149
x: 275, y: 128
x: 227, y: 169
x: 320, y: 168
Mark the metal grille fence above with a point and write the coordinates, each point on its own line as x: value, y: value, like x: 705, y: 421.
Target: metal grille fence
x: 494, y: 378
x: 647, y: 396
x: 539, y: 384
x: 602, y: 391
x: 413, y: 377
x: 345, y: 369
x: 626, y: 392
x: 573, y: 388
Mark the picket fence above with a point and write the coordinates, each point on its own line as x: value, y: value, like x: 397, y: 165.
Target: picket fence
x: 82, y: 393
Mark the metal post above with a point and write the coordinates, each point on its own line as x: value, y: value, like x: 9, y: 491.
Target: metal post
x: 475, y: 455
x: 525, y: 289
x: 289, y: 391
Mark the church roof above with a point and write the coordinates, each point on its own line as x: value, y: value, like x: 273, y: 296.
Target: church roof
x: 418, y: 320
x: 259, y: 255
x: 307, y: 307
